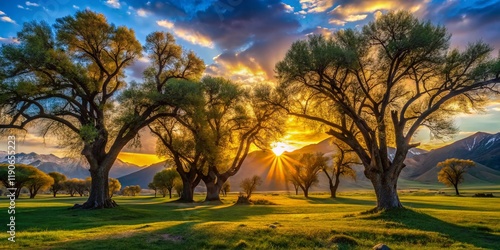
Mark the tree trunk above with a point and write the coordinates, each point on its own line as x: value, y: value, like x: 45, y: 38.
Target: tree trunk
x: 187, y: 191
x: 170, y: 193
x: 296, y: 190
x: 213, y: 191
x: 306, y: 192
x: 155, y: 193
x: 54, y: 194
x: 386, y: 191
x: 99, y: 192
x: 456, y: 189
x: 334, y: 187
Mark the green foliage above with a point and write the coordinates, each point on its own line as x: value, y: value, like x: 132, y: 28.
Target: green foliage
x: 88, y: 133
x: 59, y: 179
x: 375, y: 88
x: 24, y: 176
x: 131, y: 190
x: 76, y: 186
x: 164, y: 181
x: 114, y: 186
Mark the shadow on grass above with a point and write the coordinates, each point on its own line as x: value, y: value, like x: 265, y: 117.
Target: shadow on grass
x: 333, y: 201
x: 421, y: 221
x: 62, y: 218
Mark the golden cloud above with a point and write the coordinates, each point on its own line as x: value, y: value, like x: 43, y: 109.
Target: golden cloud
x: 191, y: 36
x: 316, y: 6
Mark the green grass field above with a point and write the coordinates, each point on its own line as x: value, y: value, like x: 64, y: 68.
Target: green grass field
x: 430, y: 222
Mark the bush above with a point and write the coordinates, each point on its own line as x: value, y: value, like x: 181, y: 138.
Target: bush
x: 343, y: 239
x: 483, y: 195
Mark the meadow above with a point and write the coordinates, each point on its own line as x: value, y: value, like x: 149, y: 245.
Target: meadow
x: 430, y: 221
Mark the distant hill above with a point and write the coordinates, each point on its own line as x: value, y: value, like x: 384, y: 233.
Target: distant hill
x: 71, y: 167
x: 143, y: 176
x: 482, y: 148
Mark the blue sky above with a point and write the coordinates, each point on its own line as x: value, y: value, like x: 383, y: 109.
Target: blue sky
x: 243, y: 39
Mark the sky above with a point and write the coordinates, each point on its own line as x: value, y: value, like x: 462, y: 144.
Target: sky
x: 244, y: 39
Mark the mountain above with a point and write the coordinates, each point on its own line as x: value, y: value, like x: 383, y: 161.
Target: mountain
x: 71, y: 167
x: 143, y: 176
x: 482, y: 148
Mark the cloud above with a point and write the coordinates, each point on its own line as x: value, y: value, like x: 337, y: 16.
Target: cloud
x: 76, y: 7
x: 187, y: 34
x: 28, y: 3
x: 467, y: 23
x: 20, y: 7
x: 316, y: 6
x: 353, y: 11
x: 7, y: 19
x: 165, y: 24
x: 113, y: 4
x: 8, y: 40
x: 288, y: 8
x: 142, y: 12
x: 2, y: 13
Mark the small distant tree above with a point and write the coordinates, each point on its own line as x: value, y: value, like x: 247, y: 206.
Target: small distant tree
x: 81, y: 187
x: 342, y: 166
x: 70, y: 186
x: 22, y: 173
x: 452, y: 172
x: 249, y: 185
x: 38, y: 181
x: 58, y: 182
x: 131, y: 190
x: 305, y: 173
x: 226, y: 187
x: 152, y: 186
x: 114, y: 186
x: 164, y: 181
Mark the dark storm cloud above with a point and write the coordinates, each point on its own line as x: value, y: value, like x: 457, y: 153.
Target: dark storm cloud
x: 468, y: 23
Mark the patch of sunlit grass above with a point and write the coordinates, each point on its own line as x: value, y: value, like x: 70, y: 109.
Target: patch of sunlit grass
x: 432, y: 222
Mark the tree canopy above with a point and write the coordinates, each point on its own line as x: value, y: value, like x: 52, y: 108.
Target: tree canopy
x: 376, y: 87
x: 453, y: 170
x: 69, y: 80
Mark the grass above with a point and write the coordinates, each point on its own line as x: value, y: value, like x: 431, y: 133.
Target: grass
x: 293, y: 222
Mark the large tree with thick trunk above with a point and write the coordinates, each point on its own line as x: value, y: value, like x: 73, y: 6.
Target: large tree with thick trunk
x: 73, y: 84
x: 211, y: 137
x: 375, y: 88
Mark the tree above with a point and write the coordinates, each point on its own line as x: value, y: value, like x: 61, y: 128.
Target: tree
x: 164, y: 181
x: 58, y: 182
x: 152, y: 186
x: 226, y: 187
x: 114, y: 186
x: 38, y: 181
x: 342, y: 166
x: 71, y: 186
x: 22, y: 174
x: 216, y: 130
x: 304, y: 173
x: 249, y: 185
x: 131, y: 190
x: 452, y: 172
x: 73, y: 83
x: 375, y: 88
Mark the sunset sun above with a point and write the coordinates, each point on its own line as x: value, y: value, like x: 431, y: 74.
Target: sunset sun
x: 279, y: 148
